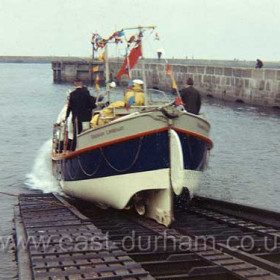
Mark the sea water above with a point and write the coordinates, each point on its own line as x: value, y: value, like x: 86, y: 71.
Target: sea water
x: 243, y: 166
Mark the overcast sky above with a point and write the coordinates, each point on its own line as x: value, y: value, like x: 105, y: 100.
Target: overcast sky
x: 210, y: 29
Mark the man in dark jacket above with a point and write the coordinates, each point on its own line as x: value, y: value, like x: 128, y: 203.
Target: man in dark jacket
x: 191, y: 98
x: 80, y: 104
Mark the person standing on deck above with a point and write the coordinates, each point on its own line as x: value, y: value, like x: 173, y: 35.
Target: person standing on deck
x: 191, y: 98
x: 80, y: 104
x: 135, y: 96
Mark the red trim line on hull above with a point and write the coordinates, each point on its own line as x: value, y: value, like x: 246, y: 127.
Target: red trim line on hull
x: 88, y: 149
x: 206, y: 139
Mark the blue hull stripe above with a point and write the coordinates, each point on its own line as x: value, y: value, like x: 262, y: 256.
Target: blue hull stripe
x: 138, y: 155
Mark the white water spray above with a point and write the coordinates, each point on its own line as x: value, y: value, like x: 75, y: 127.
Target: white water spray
x: 41, y: 177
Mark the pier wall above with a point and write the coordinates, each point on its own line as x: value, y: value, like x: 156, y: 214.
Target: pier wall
x: 67, y: 71
x: 248, y: 85
x: 241, y: 84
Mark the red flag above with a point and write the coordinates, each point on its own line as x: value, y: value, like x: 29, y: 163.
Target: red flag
x: 178, y: 101
x: 168, y: 70
x: 130, y: 61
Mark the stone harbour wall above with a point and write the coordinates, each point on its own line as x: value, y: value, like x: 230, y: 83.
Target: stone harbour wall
x: 241, y: 84
x: 248, y: 85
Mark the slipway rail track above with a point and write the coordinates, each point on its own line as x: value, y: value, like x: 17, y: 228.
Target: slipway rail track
x: 209, y: 239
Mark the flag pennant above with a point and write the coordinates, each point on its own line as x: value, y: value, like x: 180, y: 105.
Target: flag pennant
x: 120, y: 33
x: 131, y: 40
x: 169, y: 72
x: 130, y: 61
x: 95, y: 68
x: 102, y: 57
x: 178, y: 101
x: 174, y: 85
x: 97, y: 80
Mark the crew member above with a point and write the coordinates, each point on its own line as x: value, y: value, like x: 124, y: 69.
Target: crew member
x: 191, y: 98
x: 80, y: 104
x: 135, y: 96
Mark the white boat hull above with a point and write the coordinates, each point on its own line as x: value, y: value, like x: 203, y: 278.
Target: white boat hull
x: 143, y: 159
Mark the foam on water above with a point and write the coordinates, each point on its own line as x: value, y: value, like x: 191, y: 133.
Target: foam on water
x: 41, y: 177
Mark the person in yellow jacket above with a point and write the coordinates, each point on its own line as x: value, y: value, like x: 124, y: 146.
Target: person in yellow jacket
x: 135, y: 96
x: 106, y: 115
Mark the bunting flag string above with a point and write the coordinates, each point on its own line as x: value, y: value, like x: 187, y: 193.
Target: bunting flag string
x: 130, y: 60
x: 99, y: 42
x: 178, y: 100
x: 131, y: 40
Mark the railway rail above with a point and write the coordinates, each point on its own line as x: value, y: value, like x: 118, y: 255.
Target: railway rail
x: 208, y: 240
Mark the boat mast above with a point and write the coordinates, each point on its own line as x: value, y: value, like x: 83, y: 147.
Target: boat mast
x: 143, y: 71
x: 107, y: 72
x: 140, y: 29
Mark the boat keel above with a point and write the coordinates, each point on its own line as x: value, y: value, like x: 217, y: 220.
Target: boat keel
x: 159, y: 206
